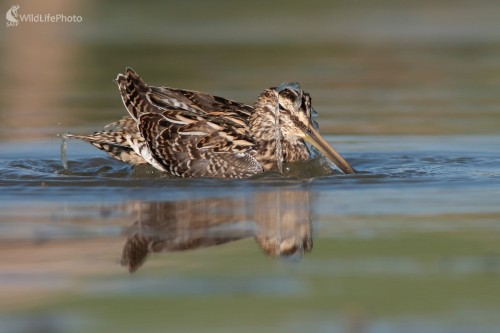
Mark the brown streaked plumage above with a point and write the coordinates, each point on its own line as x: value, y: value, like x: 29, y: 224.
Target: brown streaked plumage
x: 113, y: 140
x: 192, y: 134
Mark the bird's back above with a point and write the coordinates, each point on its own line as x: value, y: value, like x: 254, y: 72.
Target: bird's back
x: 187, y: 133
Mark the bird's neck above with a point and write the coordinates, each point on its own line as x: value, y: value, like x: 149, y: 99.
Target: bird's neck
x: 265, y: 128
x: 272, y: 148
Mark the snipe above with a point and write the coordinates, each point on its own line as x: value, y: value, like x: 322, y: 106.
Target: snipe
x: 192, y: 134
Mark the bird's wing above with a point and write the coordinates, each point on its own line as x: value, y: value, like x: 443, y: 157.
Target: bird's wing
x: 194, y: 101
x: 193, y: 145
x: 137, y: 95
x: 187, y: 133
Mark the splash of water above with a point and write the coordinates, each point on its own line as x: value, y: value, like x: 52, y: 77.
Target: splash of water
x: 64, y: 150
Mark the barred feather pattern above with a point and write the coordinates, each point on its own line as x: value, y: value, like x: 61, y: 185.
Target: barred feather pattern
x: 189, y: 134
x: 113, y: 140
x: 192, y: 134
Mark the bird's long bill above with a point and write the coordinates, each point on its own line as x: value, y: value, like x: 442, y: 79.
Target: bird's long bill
x: 314, y: 138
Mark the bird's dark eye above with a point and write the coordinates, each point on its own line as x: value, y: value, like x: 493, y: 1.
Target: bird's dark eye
x: 289, y: 94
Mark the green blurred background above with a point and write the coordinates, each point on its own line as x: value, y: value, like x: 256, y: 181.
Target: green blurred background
x: 372, y: 67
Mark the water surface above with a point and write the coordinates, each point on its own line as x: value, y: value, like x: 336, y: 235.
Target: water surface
x: 419, y: 223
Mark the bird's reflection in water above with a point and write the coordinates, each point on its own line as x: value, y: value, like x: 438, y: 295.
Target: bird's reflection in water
x: 278, y: 220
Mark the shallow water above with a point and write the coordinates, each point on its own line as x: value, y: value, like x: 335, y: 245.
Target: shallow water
x: 407, y: 92
x: 411, y: 243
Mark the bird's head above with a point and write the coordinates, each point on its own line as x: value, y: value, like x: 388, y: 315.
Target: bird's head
x: 296, y: 122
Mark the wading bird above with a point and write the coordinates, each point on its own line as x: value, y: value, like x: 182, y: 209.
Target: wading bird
x: 193, y: 134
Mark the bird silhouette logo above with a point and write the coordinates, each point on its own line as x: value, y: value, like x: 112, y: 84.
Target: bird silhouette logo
x: 12, y: 15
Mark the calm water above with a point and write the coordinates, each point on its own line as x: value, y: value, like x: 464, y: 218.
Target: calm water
x: 409, y: 94
x: 410, y: 244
